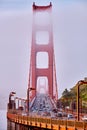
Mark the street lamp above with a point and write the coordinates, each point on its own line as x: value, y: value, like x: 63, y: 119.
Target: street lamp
x: 78, y: 85
x: 11, y: 102
x: 28, y: 90
x: 10, y: 95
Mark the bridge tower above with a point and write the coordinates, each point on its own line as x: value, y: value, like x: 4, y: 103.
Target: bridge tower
x: 41, y: 28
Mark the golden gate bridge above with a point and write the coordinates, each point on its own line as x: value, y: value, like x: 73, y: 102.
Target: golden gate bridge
x: 37, y: 111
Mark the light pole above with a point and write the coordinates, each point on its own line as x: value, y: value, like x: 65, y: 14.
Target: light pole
x: 10, y: 95
x: 78, y: 85
x: 11, y: 102
x: 28, y: 96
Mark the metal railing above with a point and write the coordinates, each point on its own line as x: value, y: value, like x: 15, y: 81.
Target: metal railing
x: 45, y: 122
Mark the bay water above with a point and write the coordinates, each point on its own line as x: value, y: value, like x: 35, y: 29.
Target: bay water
x: 3, y: 120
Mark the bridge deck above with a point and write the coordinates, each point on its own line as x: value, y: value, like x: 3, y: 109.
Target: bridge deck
x: 46, y: 122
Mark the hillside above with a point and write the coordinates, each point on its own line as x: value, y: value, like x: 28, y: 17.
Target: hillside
x: 71, y: 95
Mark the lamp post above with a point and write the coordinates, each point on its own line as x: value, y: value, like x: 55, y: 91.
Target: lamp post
x: 10, y: 95
x: 78, y: 85
x: 28, y: 101
x: 10, y: 105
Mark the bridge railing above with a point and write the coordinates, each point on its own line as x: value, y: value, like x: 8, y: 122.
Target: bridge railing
x: 46, y: 122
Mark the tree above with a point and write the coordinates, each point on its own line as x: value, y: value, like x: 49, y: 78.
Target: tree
x: 65, y: 93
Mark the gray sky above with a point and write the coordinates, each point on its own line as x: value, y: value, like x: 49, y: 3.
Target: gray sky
x: 70, y: 41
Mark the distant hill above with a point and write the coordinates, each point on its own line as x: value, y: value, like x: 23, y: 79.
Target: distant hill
x: 82, y: 91
x: 72, y: 94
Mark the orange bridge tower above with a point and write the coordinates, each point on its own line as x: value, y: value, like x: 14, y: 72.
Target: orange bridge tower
x: 42, y: 60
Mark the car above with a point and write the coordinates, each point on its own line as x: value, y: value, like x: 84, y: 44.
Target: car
x: 84, y: 118
x: 70, y: 117
x: 59, y: 114
x: 24, y: 114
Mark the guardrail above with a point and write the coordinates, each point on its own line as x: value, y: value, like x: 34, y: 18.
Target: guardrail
x: 46, y: 122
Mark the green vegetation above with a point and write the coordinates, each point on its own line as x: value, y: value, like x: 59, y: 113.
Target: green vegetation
x: 73, y: 92
x: 69, y: 96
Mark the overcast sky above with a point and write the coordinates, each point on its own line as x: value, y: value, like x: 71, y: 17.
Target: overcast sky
x: 70, y: 43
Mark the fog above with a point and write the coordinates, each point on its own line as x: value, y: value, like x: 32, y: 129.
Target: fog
x: 70, y: 43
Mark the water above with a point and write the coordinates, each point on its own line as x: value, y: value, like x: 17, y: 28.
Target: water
x: 3, y: 120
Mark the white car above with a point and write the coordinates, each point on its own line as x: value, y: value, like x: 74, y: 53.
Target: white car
x: 70, y: 117
x: 84, y: 118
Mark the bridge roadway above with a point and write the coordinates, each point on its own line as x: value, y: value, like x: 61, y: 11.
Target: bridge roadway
x: 42, y: 103
x: 41, y: 116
